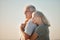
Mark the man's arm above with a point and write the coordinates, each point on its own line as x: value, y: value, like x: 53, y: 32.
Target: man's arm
x: 29, y: 28
x: 22, y: 26
x: 22, y: 32
x: 26, y: 36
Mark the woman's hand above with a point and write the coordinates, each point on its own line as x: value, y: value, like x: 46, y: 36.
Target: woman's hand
x: 22, y: 26
x: 34, y: 36
x: 28, y: 39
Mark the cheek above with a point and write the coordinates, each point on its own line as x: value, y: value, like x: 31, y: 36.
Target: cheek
x: 34, y: 20
x: 29, y: 14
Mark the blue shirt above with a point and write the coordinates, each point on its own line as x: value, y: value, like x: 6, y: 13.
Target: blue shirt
x: 30, y: 27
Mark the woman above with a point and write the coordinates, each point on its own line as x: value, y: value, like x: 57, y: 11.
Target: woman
x: 42, y: 31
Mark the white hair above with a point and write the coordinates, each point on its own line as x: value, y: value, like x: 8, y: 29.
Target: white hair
x: 43, y: 18
x: 31, y: 7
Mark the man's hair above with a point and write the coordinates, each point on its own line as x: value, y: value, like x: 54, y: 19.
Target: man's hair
x: 31, y: 7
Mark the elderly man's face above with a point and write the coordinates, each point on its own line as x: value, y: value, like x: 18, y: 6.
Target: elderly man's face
x: 28, y: 13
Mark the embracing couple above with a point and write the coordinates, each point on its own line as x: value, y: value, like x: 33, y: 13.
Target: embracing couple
x: 35, y: 26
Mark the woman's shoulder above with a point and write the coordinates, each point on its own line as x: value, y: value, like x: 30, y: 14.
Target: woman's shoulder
x: 42, y: 27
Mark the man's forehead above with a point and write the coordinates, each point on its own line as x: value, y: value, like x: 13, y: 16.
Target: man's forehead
x: 27, y: 10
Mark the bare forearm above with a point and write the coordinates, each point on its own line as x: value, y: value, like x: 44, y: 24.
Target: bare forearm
x: 34, y: 36
x: 23, y: 33
x: 21, y: 29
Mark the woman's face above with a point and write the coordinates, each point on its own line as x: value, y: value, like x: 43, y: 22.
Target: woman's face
x: 28, y: 13
x: 36, y: 19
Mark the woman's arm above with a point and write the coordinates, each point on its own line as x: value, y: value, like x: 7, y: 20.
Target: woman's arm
x: 34, y: 36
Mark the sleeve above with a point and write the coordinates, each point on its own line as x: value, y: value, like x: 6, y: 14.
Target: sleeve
x: 40, y: 30
x: 30, y: 28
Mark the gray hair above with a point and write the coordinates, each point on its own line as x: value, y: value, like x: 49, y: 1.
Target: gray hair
x: 31, y: 7
x: 43, y: 18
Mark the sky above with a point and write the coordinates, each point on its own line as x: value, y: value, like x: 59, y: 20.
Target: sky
x: 12, y: 15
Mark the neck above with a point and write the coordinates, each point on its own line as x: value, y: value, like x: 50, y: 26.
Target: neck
x: 28, y: 18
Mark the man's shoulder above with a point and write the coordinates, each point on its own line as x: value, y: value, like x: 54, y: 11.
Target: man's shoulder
x: 42, y: 27
x: 30, y: 26
x: 30, y: 22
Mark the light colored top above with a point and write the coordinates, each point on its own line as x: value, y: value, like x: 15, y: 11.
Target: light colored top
x: 30, y: 27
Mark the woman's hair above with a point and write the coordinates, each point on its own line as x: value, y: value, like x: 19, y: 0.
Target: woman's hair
x: 31, y: 7
x: 43, y: 18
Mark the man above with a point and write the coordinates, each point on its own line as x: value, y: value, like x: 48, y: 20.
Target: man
x: 28, y: 12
